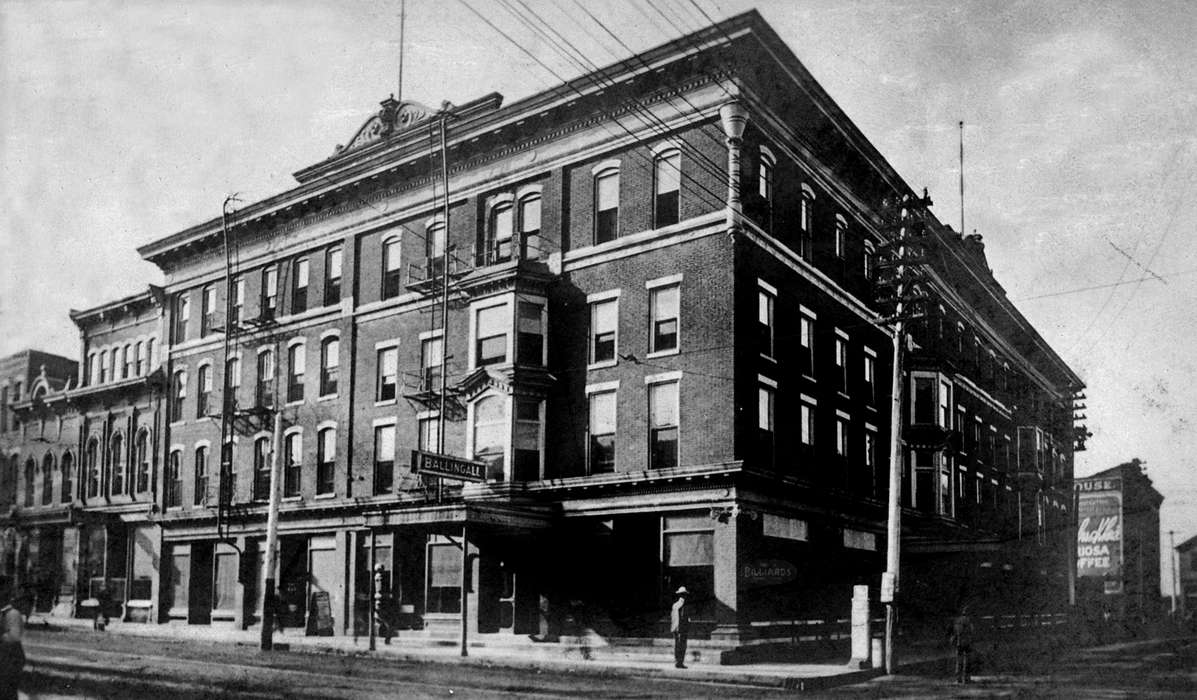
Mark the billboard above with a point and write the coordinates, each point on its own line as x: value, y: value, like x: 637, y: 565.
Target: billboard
x: 1099, y: 532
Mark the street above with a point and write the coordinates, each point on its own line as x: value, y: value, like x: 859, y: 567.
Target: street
x: 86, y: 665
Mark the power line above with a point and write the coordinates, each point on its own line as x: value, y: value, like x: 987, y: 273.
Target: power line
x: 1078, y: 290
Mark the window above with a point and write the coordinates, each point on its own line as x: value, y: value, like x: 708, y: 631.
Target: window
x: 764, y: 321
x: 142, y: 478
x: 207, y: 310
x: 604, y: 327
x: 444, y: 579
x: 116, y: 465
x: 764, y: 176
x: 689, y: 557
x: 428, y: 437
x: 330, y: 350
x: 945, y: 405
x: 112, y: 366
x: 841, y: 236
x: 47, y: 479
x: 265, y: 389
x: 491, y: 324
x: 502, y: 228
x: 766, y: 432
x: 103, y: 372
x: 201, y: 476
x: 128, y: 357
x: 390, y: 268
x: 326, y: 460
x: 806, y: 224
x: 530, y: 227
x: 93, y: 375
x: 238, y: 303
x: 490, y: 434
x: 30, y: 469
x: 292, y: 464
x: 806, y: 428
x: 262, y: 469
x: 178, y: 396
x: 870, y: 459
x: 431, y: 350
x: 182, y: 314
x: 269, y: 292
x: 295, y: 367
x: 299, y: 285
x: 384, y: 458
x: 434, y: 248
x: 806, y: 345
x: 232, y: 382
x: 530, y: 338
x: 870, y: 377
x: 388, y: 374
x: 868, y: 263
x: 663, y: 317
x: 67, y: 467
x: 174, y: 479
x: 601, y: 442
x: 841, y: 364
x: 526, y: 440
x: 606, y: 206
x: 668, y: 175
x: 229, y: 488
x: 204, y: 391
x: 924, y: 400
x: 332, y: 276
x: 841, y: 436
x: 663, y: 425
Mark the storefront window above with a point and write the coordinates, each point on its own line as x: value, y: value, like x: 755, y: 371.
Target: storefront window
x: 689, y: 555
x: 444, y: 579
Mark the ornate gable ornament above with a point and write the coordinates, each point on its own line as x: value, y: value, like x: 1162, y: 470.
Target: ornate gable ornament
x: 392, y: 118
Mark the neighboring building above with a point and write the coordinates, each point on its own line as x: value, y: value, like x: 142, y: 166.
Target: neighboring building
x: 1186, y: 563
x: 666, y: 374
x: 1118, y: 544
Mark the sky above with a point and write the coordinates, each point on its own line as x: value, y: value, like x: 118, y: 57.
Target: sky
x: 123, y: 122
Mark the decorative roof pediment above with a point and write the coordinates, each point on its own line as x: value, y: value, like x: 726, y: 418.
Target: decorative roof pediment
x: 393, y: 117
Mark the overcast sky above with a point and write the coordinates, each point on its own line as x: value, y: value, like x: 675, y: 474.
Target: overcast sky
x: 124, y: 122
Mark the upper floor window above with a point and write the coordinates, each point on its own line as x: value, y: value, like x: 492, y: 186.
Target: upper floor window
x: 391, y: 271
x: 766, y: 167
x: 765, y: 430
x: 332, y: 276
x: 149, y: 354
x: 841, y: 436
x: 292, y: 464
x: 103, y: 371
x: 142, y: 448
x: 806, y: 223
x: 491, y: 324
x: 945, y: 404
x: 265, y: 379
x: 295, y: 367
x: 178, y: 395
x: 92, y: 454
x: 841, y: 364
x: 764, y: 320
x: 262, y: 469
x: 431, y: 354
x: 530, y: 333
x: 174, y: 479
x: 663, y: 425
x: 201, y: 475
x: 326, y: 460
x: 806, y: 424
x: 139, y: 352
x: 924, y: 399
x: 182, y: 313
x: 664, y: 305
x: 270, y: 292
x: 384, y: 458
x: 388, y: 374
x: 204, y: 390
x: 868, y: 261
x: 30, y: 481
x: 490, y: 434
x: 668, y: 176
x: 841, y: 236
x: 806, y: 345
x: 67, y: 468
x: 428, y: 433
x: 232, y: 381
x: 93, y: 374
x: 502, y: 228
x: 47, y: 479
x: 129, y: 358
x: 527, y: 439
x: 529, y: 215
x: 870, y: 377
x: 238, y: 303
x: 604, y: 330
x: 330, y: 350
x: 207, y: 310
x: 300, y: 269
x: 601, y: 428
x: 606, y: 206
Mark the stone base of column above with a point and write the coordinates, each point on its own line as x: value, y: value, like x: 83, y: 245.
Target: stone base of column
x: 730, y: 634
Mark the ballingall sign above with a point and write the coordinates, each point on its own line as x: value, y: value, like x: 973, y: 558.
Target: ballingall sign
x: 1099, y: 536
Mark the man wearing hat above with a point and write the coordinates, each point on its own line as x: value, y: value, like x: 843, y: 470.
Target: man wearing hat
x: 679, y: 625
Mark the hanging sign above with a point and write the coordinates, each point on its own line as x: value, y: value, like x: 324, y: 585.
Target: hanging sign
x: 447, y: 466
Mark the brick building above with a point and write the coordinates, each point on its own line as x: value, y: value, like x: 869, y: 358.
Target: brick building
x: 1186, y: 579
x: 661, y: 344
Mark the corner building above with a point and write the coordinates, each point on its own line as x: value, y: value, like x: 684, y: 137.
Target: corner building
x: 660, y: 339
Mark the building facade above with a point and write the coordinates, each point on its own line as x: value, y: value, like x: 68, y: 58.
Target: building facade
x: 647, y: 313
x: 1186, y: 578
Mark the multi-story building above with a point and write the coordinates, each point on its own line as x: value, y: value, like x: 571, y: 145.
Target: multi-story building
x: 1186, y: 578
x: 1118, y: 544
x: 644, y: 309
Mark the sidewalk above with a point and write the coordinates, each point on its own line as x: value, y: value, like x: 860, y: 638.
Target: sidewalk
x: 557, y: 658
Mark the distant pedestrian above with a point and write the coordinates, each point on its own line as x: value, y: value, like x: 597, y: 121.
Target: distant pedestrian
x: 12, y: 630
x: 962, y: 640
x: 679, y: 625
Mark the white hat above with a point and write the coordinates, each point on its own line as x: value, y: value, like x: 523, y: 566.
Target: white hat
x: 682, y: 591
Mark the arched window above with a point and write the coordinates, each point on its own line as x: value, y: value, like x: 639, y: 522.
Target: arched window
x: 300, y: 270
x: 269, y: 299
x: 228, y: 466
x: 116, y: 465
x: 182, y: 312
x: 93, y: 468
x: 201, y: 475
x: 262, y: 469
x: 391, y: 271
x: 232, y: 381
x: 502, y: 228
x: 806, y: 219
x: 841, y: 236
x: 30, y: 468
x: 668, y: 176
x: 434, y: 247
x: 140, y: 354
x: 606, y: 205
x: 143, y: 462
x: 530, y: 227
x: 490, y: 434
x: 149, y: 355
x: 332, y: 276
x: 292, y: 463
x: 174, y: 479
x: 178, y: 395
x: 103, y: 366
x: 326, y: 460
x: 295, y: 371
x: 130, y: 358
x: 93, y: 369
x: 203, y: 391
x: 47, y: 479
x: 330, y: 350
x: 265, y: 389
x: 67, y: 466
x: 207, y: 310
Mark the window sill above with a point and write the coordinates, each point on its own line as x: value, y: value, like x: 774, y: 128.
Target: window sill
x: 843, y: 395
x: 291, y: 404
x: 770, y: 358
x: 385, y: 402
x: 809, y: 378
x: 602, y: 365
x: 324, y: 496
x: 662, y: 353
x: 326, y: 397
x: 292, y: 499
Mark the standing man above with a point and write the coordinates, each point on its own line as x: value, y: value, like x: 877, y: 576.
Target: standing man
x: 679, y: 625
x: 962, y: 639
x: 12, y: 629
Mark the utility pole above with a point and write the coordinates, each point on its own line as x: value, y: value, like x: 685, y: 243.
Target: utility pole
x: 270, y: 565
x: 904, y: 221
x: 1172, y: 567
